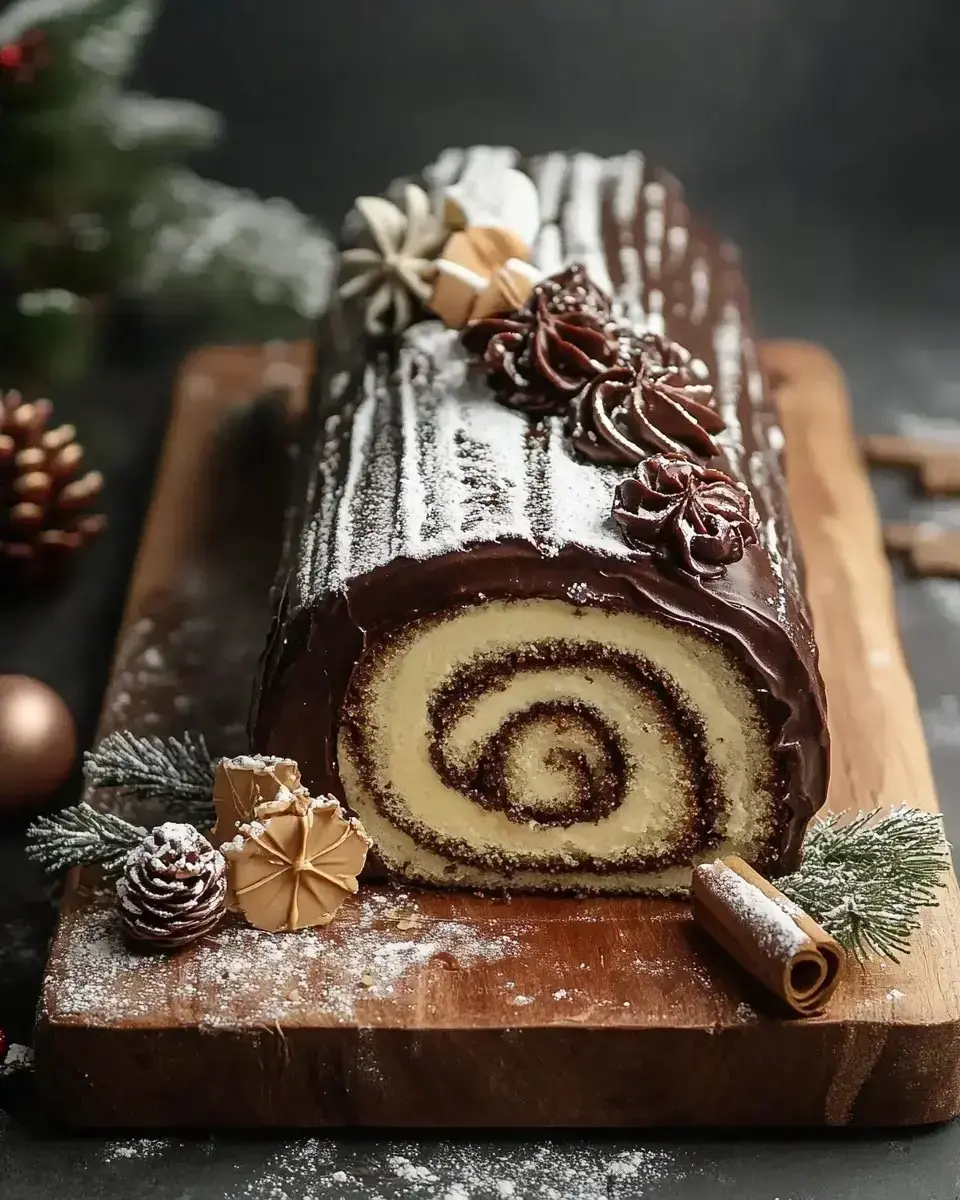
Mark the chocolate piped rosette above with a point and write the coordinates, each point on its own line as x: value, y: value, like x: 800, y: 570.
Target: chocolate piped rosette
x: 538, y: 620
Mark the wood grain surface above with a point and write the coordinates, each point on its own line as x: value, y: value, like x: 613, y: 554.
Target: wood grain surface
x: 434, y: 1009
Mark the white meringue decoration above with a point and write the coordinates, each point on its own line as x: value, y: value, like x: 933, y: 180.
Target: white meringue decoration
x: 504, y: 199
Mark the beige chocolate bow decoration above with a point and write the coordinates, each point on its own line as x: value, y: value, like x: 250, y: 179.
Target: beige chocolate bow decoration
x: 484, y: 266
x: 479, y: 272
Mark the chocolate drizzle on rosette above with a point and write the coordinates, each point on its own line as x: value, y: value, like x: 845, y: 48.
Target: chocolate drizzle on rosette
x: 538, y: 618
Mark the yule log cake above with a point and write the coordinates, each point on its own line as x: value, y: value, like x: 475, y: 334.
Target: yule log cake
x: 539, y: 619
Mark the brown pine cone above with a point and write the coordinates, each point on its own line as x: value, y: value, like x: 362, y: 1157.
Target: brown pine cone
x: 173, y: 888
x: 44, y: 500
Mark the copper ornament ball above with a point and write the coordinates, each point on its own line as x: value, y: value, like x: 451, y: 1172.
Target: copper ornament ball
x: 38, y: 741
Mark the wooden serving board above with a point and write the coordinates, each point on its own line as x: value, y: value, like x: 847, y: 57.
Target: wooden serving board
x: 435, y: 1009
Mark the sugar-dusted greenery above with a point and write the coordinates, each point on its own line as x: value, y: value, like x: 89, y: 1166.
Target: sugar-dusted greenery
x: 867, y: 880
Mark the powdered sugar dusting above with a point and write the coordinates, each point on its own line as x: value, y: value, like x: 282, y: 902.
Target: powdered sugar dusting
x: 464, y: 473
x: 586, y: 522
x: 700, y: 285
x: 451, y: 1170
x: 258, y: 977
x: 655, y: 225
x: 361, y: 432
x: 728, y: 350
x: 549, y: 173
x: 18, y: 1058
x: 627, y: 174
x: 582, y: 218
x: 138, y: 1149
x: 777, y: 932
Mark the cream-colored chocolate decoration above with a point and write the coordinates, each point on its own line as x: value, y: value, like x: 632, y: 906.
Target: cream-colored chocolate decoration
x: 505, y: 199
x: 481, y: 271
x: 508, y: 288
x: 242, y: 783
x: 296, y: 863
x: 391, y: 261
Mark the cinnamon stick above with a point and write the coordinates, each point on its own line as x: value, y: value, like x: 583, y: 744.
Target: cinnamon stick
x: 768, y: 934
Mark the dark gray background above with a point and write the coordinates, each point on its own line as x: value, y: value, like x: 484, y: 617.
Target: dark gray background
x: 824, y: 137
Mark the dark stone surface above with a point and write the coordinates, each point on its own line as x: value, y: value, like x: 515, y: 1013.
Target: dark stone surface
x: 823, y: 138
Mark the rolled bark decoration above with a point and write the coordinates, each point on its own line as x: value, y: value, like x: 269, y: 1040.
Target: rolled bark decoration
x: 467, y: 649
x: 767, y: 934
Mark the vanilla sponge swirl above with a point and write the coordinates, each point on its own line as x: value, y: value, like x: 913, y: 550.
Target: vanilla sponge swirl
x: 537, y: 744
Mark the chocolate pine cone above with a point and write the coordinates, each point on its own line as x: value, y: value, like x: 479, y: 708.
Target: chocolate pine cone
x: 173, y: 888
x: 44, y: 496
x: 508, y: 685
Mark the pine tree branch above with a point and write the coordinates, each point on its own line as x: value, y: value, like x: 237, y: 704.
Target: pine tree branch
x: 866, y: 881
x: 113, y: 45
x: 80, y: 15
x: 82, y: 837
x: 164, y: 128
x: 152, y: 767
x: 227, y: 245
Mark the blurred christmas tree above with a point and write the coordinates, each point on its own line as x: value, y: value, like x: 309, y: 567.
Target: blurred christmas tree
x: 94, y: 203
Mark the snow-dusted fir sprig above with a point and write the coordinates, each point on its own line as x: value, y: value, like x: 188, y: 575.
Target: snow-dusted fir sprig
x: 868, y: 879
x: 177, y: 769
x: 82, y: 837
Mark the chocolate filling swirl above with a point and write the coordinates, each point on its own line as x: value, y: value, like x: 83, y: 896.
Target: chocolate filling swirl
x: 514, y: 731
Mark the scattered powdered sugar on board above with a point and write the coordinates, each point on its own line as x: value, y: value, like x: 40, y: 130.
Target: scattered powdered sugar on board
x: 260, y: 977
x: 313, y: 1168
x: 18, y: 1058
x: 142, y: 1149
x: 773, y: 922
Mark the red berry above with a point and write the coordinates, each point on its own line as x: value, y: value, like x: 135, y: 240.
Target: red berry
x: 11, y: 56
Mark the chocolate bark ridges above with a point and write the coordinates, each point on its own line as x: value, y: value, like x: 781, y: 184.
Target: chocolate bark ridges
x: 419, y: 492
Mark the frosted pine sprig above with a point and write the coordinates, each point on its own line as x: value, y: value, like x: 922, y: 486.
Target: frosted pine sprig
x: 867, y: 880
x: 82, y: 837
x: 152, y: 767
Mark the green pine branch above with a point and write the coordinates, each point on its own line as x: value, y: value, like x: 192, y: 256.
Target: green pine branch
x: 96, y: 203
x: 867, y: 880
x: 152, y: 767
x: 227, y: 245
x: 82, y: 837
x: 160, y: 128
x: 113, y: 45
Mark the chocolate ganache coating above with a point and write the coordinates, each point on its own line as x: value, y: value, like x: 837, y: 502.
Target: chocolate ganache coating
x: 417, y: 495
